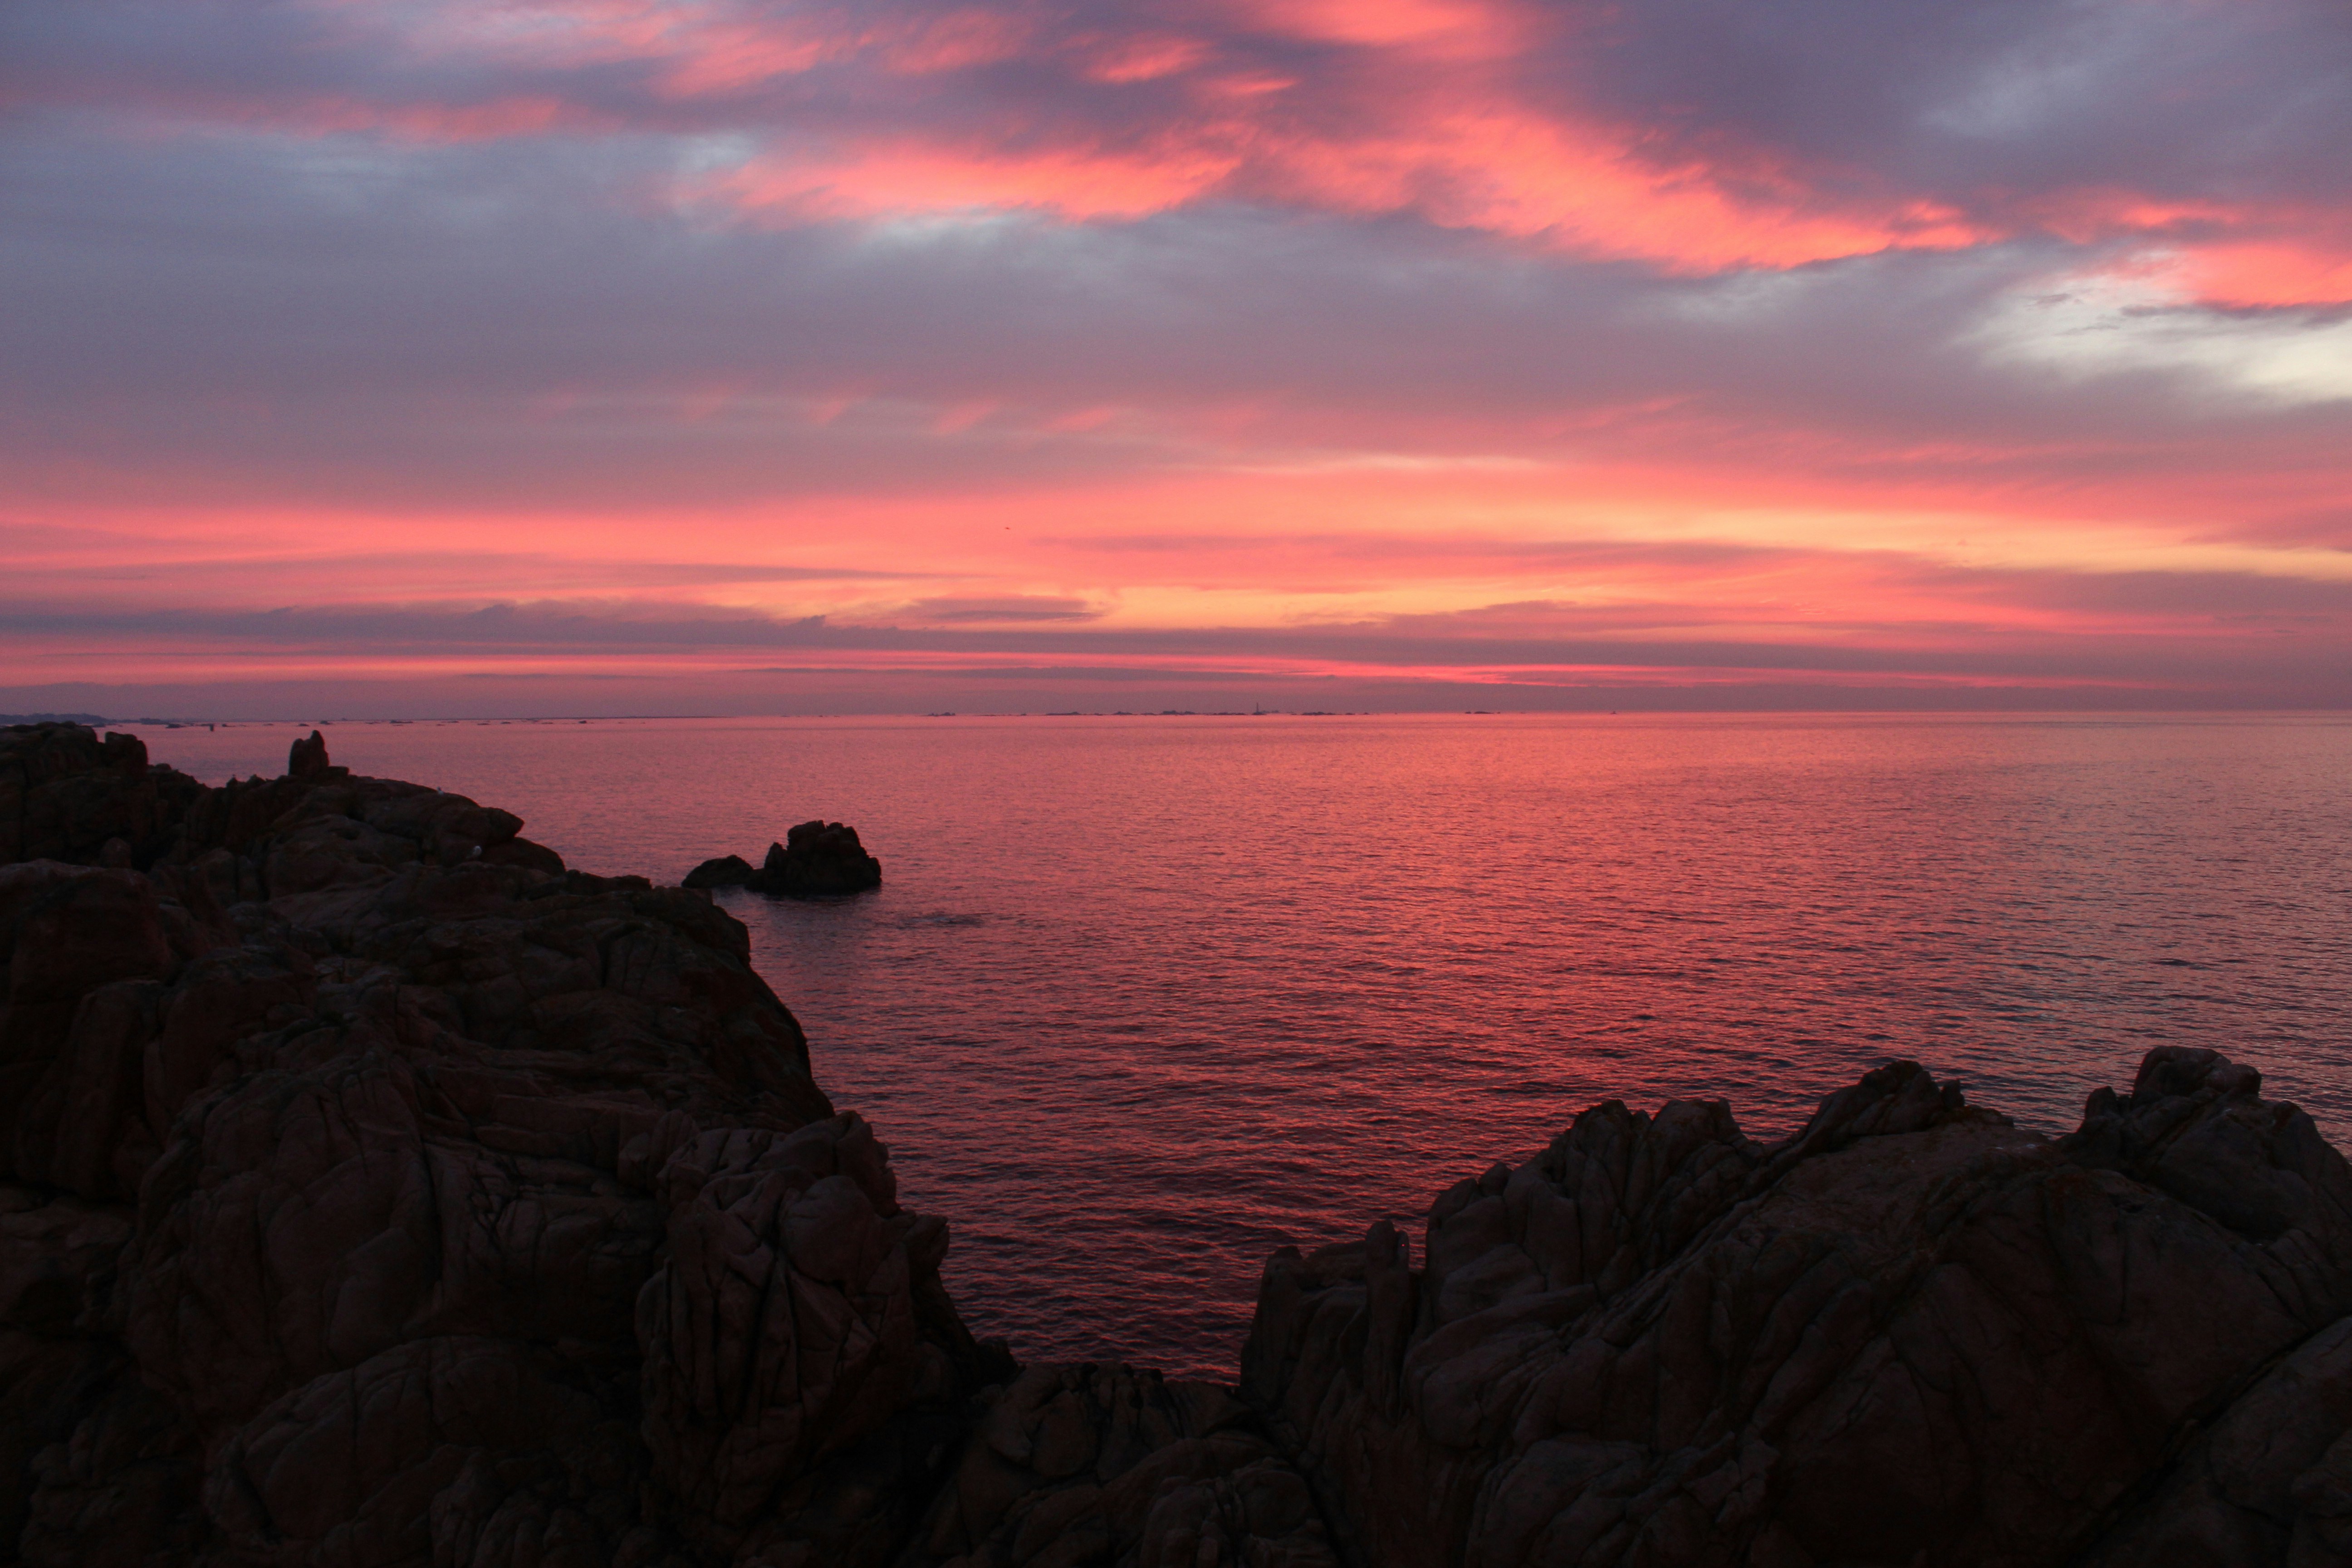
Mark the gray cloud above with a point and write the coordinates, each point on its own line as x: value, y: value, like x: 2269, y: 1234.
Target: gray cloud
x: 1983, y: 101
x: 1988, y: 103
x: 1008, y: 609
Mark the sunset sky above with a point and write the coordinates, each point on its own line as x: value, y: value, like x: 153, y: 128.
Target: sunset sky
x: 400, y: 357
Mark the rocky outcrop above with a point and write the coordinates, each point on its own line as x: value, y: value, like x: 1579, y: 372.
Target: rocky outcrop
x: 818, y: 859
x: 67, y: 795
x: 377, y: 1190
x: 1910, y: 1334
x: 307, y: 758
x: 725, y: 871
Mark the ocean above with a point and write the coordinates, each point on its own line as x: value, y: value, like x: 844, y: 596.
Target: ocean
x: 1142, y: 998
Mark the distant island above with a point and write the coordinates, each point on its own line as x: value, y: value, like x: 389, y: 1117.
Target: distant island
x: 374, y: 1187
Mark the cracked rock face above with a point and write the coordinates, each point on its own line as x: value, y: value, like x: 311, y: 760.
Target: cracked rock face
x: 376, y: 1192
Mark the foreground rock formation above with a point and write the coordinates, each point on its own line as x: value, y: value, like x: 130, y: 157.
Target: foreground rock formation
x: 374, y: 1190
x: 818, y: 859
x: 1910, y: 1334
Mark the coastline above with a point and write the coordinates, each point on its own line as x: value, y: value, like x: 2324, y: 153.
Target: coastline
x: 380, y: 1191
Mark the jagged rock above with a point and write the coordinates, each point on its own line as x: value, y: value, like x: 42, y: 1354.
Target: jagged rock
x: 1911, y: 1333
x: 815, y: 860
x: 66, y: 795
x: 727, y: 871
x: 1103, y: 1464
x: 818, y: 859
x: 384, y: 1194
x: 781, y: 1327
x: 447, y: 1449
x: 307, y: 759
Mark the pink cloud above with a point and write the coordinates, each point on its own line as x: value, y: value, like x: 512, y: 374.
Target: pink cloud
x: 1463, y: 113
x: 881, y: 178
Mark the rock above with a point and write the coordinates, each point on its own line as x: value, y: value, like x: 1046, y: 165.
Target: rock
x: 780, y: 1329
x: 727, y: 871
x: 815, y: 860
x: 1910, y: 1333
x: 308, y: 758
x: 64, y: 794
x: 1105, y: 1464
x: 385, y: 1192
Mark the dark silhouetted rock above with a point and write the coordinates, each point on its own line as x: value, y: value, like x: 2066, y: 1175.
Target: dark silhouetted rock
x: 818, y: 859
x: 65, y: 795
x: 308, y: 757
x: 1103, y: 1464
x: 1911, y: 1333
x: 727, y: 871
x: 382, y: 1192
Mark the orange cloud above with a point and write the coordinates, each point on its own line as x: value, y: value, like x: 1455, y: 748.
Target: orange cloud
x: 1425, y: 118
x: 2230, y: 255
x: 1582, y: 188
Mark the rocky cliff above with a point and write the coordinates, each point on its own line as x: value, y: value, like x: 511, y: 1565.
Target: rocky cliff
x: 373, y: 1190
x: 1911, y: 1334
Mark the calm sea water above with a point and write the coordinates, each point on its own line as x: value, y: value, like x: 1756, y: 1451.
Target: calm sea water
x: 1141, y: 999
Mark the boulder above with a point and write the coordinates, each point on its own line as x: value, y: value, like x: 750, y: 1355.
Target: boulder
x: 818, y: 859
x: 727, y: 871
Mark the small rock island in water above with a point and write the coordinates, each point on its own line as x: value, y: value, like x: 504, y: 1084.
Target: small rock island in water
x: 374, y: 1190
x: 817, y: 859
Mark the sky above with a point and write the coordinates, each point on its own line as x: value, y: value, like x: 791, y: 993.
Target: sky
x: 381, y: 358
